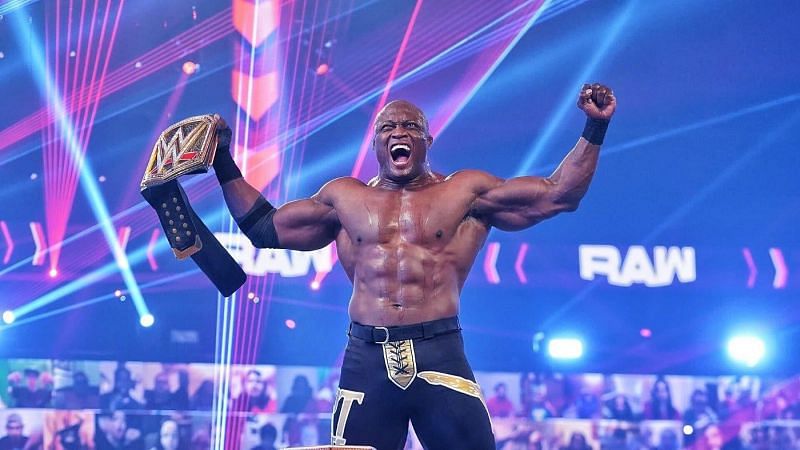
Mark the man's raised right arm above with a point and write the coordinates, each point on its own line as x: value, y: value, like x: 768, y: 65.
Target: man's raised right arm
x: 307, y: 224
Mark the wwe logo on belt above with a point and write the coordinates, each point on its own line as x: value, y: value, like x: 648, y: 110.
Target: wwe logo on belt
x: 184, y: 148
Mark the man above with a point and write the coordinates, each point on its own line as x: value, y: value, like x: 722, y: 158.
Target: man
x: 120, y: 397
x: 14, y: 439
x: 500, y: 405
x: 407, y: 240
x: 268, y: 434
x: 35, y: 392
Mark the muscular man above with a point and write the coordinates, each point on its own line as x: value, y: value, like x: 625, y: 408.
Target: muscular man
x: 407, y: 240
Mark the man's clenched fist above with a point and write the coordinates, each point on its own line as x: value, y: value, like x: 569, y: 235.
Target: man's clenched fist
x: 597, y: 101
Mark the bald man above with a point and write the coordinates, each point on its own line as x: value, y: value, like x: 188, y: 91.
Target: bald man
x: 407, y: 240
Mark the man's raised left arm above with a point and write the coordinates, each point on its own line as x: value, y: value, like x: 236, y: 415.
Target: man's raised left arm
x: 521, y: 202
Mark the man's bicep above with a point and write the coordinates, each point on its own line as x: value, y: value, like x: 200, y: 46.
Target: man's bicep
x: 517, y: 203
x: 306, y: 224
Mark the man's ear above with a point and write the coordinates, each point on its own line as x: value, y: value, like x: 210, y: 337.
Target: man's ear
x: 430, y: 140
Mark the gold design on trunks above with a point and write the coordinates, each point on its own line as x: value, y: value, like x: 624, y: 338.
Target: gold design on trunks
x: 401, y: 363
x: 453, y: 382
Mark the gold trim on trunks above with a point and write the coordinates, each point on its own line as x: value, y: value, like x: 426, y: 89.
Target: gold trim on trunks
x: 453, y: 382
x: 401, y: 362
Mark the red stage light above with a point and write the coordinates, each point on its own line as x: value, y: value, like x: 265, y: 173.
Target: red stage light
x: 645, y: 332
x: 322, y: 69
x: 290, y: 324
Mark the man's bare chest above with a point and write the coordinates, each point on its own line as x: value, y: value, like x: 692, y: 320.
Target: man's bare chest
x: 417, y: 218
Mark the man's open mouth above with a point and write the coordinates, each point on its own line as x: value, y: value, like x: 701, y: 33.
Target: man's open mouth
x: 400, y: 153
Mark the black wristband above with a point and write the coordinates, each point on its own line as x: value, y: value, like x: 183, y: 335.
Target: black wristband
x: 224, y: 166
x: 595, y: 130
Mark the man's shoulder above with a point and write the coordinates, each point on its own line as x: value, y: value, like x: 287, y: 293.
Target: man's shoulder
x: 342, y: 183
x: 339, y: 186
x: 473, y: 179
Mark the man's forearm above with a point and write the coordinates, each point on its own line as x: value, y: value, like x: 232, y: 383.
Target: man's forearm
x: 240, y: 197
x: 573, y: 175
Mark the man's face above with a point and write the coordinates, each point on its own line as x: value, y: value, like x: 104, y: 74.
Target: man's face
x: 122, y: 381
x: 401, y: 142
x: 253, y: 385
x: 118, y: 425
x: 162, y: 383
x: 14, y: 428
x: 169, y: 435
x: 31, y: 381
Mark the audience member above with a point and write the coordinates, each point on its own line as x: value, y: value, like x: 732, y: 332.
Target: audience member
x: 660, y: 407
x: 668, y: 440
x: 618, y: 408
x: 203, y: 397
x: 698, y: 416
x: 499, y: 404
x: 255, y: 397
x: 69, y: 430
x: 577, y: 441
x: 14, y: 438
x: 34, y: 391
x: 161, y: 397
x: 169, y: 437
x: 300, y: 399
x: 268, y: 434
x: 586, y: 406
x: 120, y: 396
x: 80, y: 395
x: 114, y: 433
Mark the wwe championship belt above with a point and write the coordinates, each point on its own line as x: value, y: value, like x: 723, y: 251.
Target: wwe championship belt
x: 188, y: 147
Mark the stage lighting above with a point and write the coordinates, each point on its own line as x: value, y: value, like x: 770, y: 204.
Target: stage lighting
x: 290, y: 324
x: 565, y: 348
x: 315, y: 285
x: 190, y: 67
x: 322, y: 69
x: 688, y: 430
x: 53, y: 273
x: 147, y: 320
x: 746, y: 349
x: 8, y: 317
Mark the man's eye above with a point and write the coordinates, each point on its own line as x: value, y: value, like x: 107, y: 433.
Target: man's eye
x: 386, y: 127
x: 412, y: 125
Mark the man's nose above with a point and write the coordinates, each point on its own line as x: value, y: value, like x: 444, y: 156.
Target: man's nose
x: 399, y: 133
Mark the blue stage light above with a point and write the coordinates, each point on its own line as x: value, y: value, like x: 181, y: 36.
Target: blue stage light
x: 747, y: 349
x: 147, y: 320
x: 565, y: 348
x: 8, y: 317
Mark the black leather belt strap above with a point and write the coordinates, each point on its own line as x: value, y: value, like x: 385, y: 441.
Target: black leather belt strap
x: 382, y: 335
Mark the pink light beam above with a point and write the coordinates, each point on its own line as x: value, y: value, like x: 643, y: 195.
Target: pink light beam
x: 523, y: 250
x: 781, y: 269
x: 490, y: 263
x: 9, y: 242
x: 751, y: 267
x: 40, y: 242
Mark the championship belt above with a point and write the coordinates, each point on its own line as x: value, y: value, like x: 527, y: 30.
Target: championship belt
x: 188, y: 147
